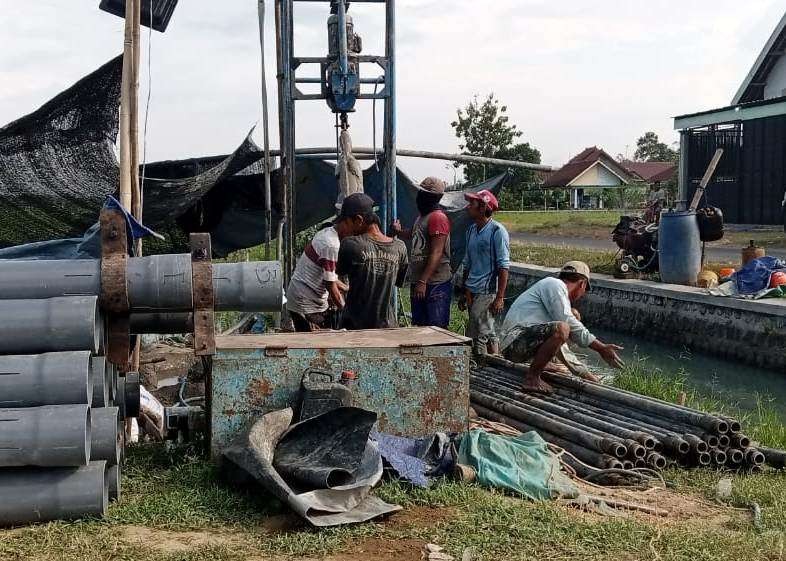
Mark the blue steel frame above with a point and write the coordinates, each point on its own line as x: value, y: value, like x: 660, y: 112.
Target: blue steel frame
x: 288, y: 93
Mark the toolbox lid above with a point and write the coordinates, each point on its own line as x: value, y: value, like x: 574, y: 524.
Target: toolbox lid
x: 368, y: 338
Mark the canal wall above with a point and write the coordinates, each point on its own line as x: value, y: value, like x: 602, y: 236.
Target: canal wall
x: 749, y: 331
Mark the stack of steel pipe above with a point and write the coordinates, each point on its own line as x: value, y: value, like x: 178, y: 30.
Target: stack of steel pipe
x: 609, y: 428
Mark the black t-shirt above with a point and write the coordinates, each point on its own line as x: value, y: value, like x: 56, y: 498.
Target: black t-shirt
x: 373, y: 268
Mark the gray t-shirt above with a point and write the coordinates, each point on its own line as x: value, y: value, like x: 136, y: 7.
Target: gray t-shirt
x: 373, y: 268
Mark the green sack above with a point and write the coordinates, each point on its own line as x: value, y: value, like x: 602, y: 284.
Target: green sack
x: 522, y: 464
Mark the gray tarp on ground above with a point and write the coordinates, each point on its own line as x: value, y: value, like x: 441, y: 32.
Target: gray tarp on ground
x: 57, y: 165
x: 338, y: 440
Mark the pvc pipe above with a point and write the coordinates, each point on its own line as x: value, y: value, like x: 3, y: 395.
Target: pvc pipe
x: 127, y: 397
x: 113, y: 482
x: 61, y: 493
x: 50, y: 324
x: 155, y: 282
x: 51, y: 435
x: 45, y: 379
x: 100, y: 375
x: 162, y: 323
x: 106, y: 439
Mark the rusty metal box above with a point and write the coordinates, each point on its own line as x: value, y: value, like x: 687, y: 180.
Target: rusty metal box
x: 416, y: 379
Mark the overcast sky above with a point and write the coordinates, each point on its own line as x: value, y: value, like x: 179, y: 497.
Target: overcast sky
x: 573, y: 73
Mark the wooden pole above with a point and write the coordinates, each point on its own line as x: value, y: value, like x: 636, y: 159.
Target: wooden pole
x: 136, y: 188
x: 125, y: 108
x: 130, y: 192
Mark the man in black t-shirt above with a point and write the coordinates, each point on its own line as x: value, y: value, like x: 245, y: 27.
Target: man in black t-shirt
x: 373, y: 263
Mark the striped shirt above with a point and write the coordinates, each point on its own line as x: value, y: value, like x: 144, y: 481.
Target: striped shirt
x: 306, y: 293
x: 488, y: 251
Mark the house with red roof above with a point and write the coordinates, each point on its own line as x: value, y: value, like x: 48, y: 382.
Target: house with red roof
x: 590, y: 170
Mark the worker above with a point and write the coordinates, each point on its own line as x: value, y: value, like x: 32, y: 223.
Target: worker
x: 315, y: 287
x: 429, y: 269
x: 486, y: 264
x: 374, y: 264
x: 541, y: 320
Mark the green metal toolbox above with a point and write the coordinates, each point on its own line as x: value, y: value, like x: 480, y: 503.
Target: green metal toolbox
x: 415, y: 378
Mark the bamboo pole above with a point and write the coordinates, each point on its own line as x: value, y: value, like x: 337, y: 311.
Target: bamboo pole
x: 136, y: 190
x: 125, y: 108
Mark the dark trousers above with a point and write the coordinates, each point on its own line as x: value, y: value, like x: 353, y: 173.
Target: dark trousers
x: 434, y: 309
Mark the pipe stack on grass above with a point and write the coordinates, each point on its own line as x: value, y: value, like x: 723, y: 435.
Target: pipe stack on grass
x: 609, y: 428
x: 61, y: 436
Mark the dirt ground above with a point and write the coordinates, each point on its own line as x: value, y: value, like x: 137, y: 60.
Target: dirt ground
x: 377, y: 548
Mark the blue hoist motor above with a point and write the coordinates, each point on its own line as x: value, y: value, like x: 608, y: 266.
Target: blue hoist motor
x: 342, y: 74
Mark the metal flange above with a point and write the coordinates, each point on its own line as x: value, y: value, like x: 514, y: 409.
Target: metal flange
x: 204, y: 298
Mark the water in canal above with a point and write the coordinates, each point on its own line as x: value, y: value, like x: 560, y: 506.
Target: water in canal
x: 731, y: 381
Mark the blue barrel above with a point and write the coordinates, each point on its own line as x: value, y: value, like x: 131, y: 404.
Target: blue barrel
x: 679, y: 247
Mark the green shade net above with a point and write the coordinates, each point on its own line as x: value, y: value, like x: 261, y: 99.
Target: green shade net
x: 522, y: 464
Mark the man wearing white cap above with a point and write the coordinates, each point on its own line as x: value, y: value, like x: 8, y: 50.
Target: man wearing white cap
x: 542, y: 320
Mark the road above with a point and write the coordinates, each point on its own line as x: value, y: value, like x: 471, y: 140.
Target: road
x: 714, y: 253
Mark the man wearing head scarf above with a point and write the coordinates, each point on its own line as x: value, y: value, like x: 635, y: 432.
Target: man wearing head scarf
x: 430, y: 274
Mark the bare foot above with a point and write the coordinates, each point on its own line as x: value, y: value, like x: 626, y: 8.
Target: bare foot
x: 589, y: 376
x: 557, y: 367
x: 536, y: 385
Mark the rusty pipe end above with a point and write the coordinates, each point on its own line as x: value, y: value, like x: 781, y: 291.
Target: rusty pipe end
x: 734, y: 455
x: 646, y: 440
x: 720, y: 426
x: 719, y: 457
x: 656, y: 461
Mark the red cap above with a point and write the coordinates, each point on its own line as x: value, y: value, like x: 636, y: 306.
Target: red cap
x: 484, y: 196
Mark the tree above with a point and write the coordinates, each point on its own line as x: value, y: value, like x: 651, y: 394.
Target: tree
x: 484, y: 129
x: 650, y: 149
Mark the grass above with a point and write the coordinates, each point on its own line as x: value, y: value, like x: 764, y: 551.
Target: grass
x: 178, y: 491
x: 598, y: 261
x: 594, y: 224
x: 764, y: 425
x: 599, y: 224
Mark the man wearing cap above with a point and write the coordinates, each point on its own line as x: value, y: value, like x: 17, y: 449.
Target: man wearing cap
x: 542, y: 320
x: 429, y: 268
x: 315, y: 286
x: 374, y: 264
x: 486, y: 263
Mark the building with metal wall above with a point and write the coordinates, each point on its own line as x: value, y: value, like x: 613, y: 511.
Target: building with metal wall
x: 750, y: 181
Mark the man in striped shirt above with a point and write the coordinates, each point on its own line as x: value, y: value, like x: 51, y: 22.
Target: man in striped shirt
x: 315, y: 286
x: 486, y: 264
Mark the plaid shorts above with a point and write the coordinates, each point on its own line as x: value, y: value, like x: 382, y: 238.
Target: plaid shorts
x: 528, y: 340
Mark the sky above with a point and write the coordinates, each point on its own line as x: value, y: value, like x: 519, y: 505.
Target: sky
x: 572, y: 73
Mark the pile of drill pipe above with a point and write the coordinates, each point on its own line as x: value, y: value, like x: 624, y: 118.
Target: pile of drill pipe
x: 61, y: 434
x: 609, y: 428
